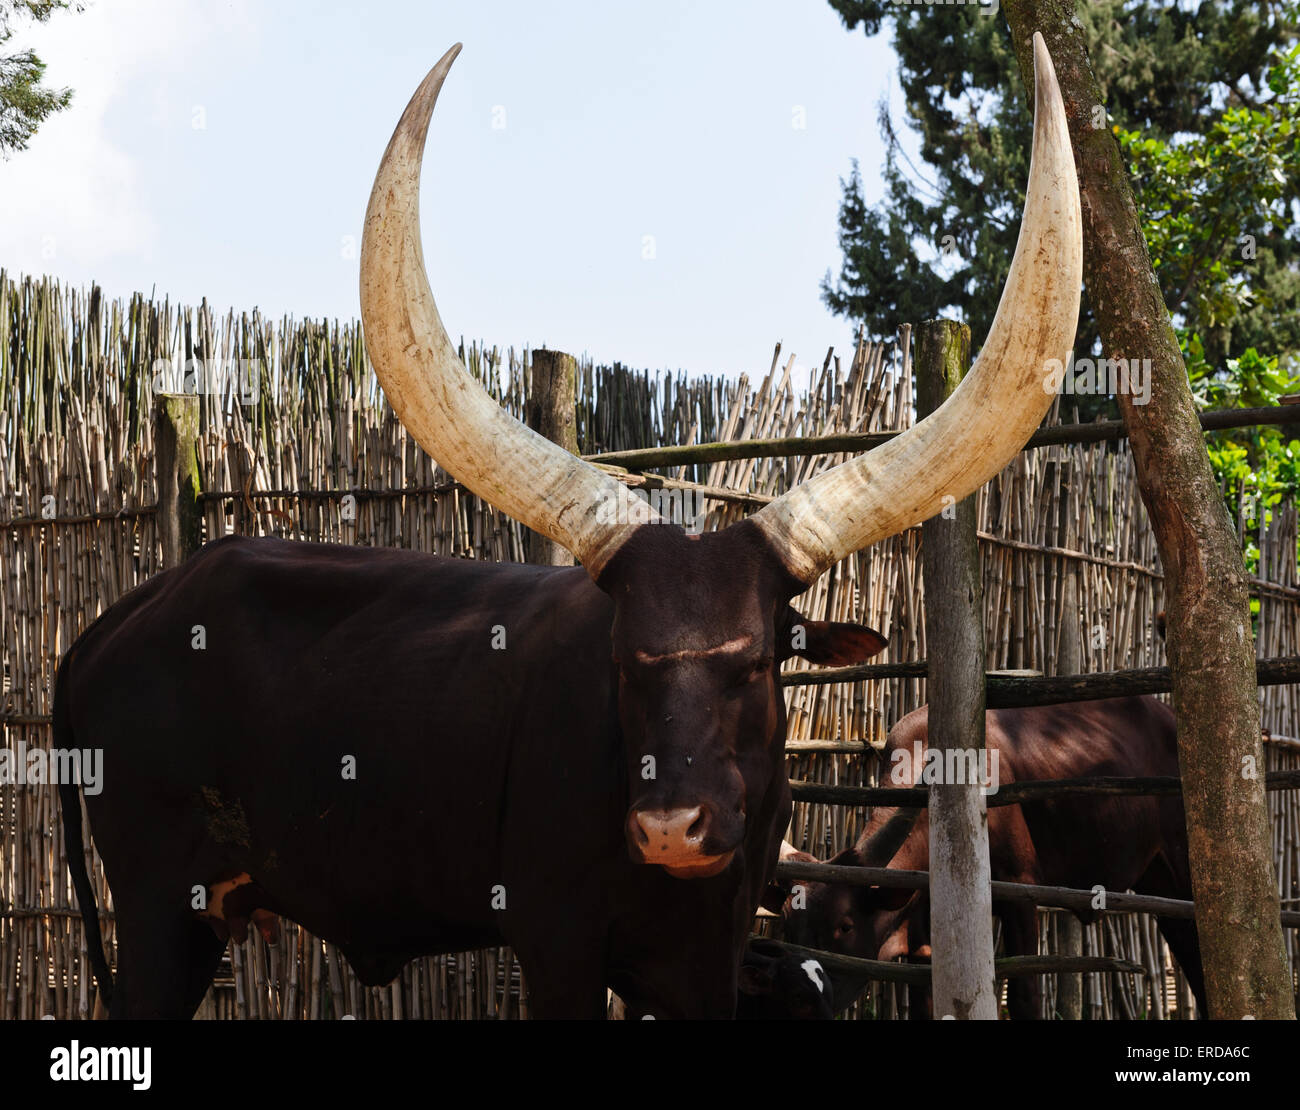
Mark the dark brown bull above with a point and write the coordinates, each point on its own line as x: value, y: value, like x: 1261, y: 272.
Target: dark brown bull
x: 1117, y: 843
x: 584, y: 763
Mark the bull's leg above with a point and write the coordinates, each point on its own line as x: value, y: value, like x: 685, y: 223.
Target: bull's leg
x: 695, y: 994
x: 694, y: 981
x: 1020, y: 938
x: 564, y: 983
x: 1180, y: 935
x: 1164, y: 880
x: 920, y: 997
x: 920, y: 1000
x: 165, y: 965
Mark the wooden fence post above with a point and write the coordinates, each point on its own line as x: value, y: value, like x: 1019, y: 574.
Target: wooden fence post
x: 961, y: 908
x: 176, y: 459
x: 552, y: 401
x: 1069, y: 930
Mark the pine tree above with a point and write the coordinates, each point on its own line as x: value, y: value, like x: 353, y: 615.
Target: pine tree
x: 943, y: 236
x: 24, y: 101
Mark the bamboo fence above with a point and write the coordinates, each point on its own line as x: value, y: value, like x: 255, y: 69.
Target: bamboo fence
x: 297, y: 441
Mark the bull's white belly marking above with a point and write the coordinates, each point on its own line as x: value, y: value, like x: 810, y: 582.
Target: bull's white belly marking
x: 265, y: 921
x: 217, y: 895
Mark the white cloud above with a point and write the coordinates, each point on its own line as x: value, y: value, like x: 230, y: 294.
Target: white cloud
x: 75, y: 198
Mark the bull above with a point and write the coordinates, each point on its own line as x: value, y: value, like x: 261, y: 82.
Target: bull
x: 1118, y: 843
x: 411, y: 755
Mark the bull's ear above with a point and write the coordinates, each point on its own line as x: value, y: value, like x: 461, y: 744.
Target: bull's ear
x: 829, y: 643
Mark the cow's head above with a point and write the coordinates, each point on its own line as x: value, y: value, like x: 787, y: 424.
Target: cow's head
x: 701, y: 624
x: 867, y: 922
x: 701, y: 627
x: 776, y: 985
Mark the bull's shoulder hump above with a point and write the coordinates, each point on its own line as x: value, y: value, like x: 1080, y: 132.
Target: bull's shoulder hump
x: 912, y: 728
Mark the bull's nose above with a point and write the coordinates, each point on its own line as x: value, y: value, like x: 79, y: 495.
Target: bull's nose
x: 675, y: 840
x: 667, y: 835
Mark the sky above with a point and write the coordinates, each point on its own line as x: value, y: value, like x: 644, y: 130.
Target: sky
x: 654, y: 183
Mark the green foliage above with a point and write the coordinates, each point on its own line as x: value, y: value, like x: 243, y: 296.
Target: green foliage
x: 947, y: 235
x: 1205, y: 101
x: 1212, y: 204
x: 1256, y: 467
x: 1164, y: 70
x: 24, y: 101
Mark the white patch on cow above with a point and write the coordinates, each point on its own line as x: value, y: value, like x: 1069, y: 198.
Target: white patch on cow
x: 814, y: 972
x: 788, y: 850
x: 216, y: 903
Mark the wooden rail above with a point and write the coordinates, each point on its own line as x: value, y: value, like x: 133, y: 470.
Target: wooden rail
x: 1055, y: 897
x: 1014, y: 793
x: 1003, y: 691
x: 919, y: 974
x: 856, y: 442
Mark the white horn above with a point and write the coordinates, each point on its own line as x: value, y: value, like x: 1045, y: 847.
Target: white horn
x: 472, y: 437
x: 998, y: 405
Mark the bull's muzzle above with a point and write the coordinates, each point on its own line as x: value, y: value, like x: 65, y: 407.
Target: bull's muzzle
x: 676, y: 840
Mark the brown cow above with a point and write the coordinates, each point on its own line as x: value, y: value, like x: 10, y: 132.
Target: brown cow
x: 1118, y: 843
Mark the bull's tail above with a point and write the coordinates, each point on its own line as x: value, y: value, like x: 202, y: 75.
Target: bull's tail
x: 70, y: 802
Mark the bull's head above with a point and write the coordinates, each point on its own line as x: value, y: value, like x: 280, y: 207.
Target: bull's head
x: 702, y: 623
x: 868, y: 922
x: 701, y: 628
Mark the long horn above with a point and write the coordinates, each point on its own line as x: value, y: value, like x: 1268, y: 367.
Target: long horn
x: 884, y: 844
x: 472, y: 437
x: 988, y: 418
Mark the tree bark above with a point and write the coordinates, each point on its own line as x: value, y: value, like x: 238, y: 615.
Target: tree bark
x: 1211, y: 646
x: 961, y: 907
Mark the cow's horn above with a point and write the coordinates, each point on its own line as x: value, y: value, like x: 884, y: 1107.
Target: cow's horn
x: 472, y: 437
x: 888, y: 839
x: 988, y: 418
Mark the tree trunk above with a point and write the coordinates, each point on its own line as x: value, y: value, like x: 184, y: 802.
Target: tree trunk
x: 1211, y: 646
x: 961, y: 906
